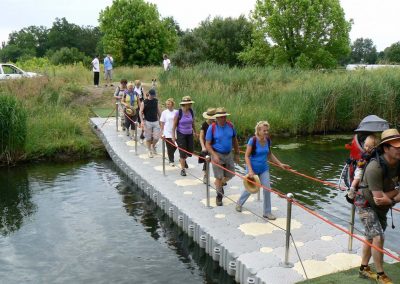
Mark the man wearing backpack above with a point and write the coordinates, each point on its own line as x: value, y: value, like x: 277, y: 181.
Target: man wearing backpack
x: 379, y: 190
x: 220, y: 139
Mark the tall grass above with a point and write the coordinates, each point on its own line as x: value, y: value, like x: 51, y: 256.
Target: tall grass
x: 293, y: 101
x: 12, y: 129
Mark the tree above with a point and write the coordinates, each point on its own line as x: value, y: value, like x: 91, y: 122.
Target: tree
x: 32, y: 39
x: 313, y: 31
x: 392, y: 53
x: 225, y: 38
x: 135, y: 34
x: 363, y: 51
x: 191, y: 50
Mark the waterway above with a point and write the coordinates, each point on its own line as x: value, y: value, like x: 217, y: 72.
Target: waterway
x: 86, y: 223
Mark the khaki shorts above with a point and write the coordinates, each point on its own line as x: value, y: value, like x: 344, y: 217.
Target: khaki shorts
x: 371, y: 223
x: 226, y: 161
x: 152, y: 130
x: 108, y: 74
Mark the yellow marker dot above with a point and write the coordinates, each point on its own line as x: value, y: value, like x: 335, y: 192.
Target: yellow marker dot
x: 219, y: 216
x: 266, y: 250
x: 326, y: 238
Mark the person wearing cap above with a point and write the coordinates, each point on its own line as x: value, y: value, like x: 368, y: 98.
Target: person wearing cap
x: 149, y: 115
x: 379, y: 194
x: 184, y: 127
x: 131, y: 102
x: 220, y: 139
x: 258, y: 152
x: 209, y: 116
x: 167, y: 124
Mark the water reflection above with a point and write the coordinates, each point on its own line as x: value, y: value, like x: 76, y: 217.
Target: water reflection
x: 15, y: 202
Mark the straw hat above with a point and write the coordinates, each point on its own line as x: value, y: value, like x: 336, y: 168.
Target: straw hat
x: 129, y: 111
x: 130, y: 84
x: 209, y: 114
x: 391, y: 136
x: 186, y: 100
x: 249, y: 186
x: 220, y: 112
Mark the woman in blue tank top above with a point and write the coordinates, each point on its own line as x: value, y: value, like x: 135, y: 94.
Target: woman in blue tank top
x: 257, y: 164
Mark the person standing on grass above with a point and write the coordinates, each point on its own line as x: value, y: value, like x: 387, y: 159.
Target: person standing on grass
x: 184, y: 127
x: 96, y: 70
x: 209, y: 116
x: 166, y: 63
x: 149, y: 115
x: 108, y: 66
x: 220, y: 139
x: 379, y: 194
x: 167, y: 124
x: 258, y: 152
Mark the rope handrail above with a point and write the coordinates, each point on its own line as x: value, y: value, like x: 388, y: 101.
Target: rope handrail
x: 384, y: 251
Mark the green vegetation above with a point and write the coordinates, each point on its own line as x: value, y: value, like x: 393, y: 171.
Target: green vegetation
x: 59, y: 105
x: 12, y: 128
x: 351, y: 276
x: 293, y: 101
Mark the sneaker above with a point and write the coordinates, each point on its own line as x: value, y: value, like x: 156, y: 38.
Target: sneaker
x: 269, y: 216
x: 218, y: 200
x: 205, y: 179
x: 141, y: 141
x: 154, y: 150
x: 183, y: 173
x: 123, y: 128
x: 150, y: 154
x: 238, y: 208
x: 367, y: 273
x: 186, y: 165
x: 383, y: 279
x: 171, y: 164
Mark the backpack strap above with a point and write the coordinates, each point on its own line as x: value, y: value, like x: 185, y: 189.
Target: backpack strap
x: 253, y: 145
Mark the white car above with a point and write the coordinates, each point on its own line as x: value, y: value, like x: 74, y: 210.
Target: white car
x: 10, y: 71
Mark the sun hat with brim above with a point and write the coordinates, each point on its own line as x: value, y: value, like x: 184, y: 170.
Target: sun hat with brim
x: 209, y: 114
x: 220, y: 112
x: 186, y: 100
x: 391, y: 137
x: 250, y: 186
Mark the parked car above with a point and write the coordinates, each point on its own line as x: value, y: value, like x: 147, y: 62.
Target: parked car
x: 10, y: 71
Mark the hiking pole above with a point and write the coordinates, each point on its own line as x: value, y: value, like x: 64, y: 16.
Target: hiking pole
x: 116, y: 115
x: 353, y: 211
x: 163, y: 154
x: 287, y: 264
x: 207, y: 161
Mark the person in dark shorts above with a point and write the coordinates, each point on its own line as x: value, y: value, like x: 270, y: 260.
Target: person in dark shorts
x: 209, y: 116
x: 184, y: 127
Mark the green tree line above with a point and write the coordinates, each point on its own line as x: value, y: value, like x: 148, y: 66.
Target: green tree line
x: 304, y: 34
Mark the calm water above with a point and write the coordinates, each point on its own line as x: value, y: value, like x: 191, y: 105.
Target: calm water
x: 85, y: 223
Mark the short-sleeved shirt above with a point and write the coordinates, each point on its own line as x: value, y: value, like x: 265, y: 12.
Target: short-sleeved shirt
x: 221, y: 140
x: 373, y: 180
x: 185, y: 124
x: 96, y: 65
x: 259, y: 159
x: 167, y: 117
x: 108, y: 63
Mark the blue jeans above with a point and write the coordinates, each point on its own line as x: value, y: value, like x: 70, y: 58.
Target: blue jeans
x: 265, y: 181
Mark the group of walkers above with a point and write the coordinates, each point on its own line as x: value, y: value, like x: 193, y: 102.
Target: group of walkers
x: 218, y: 139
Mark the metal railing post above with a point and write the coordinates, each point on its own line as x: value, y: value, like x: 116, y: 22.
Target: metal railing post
x: 136, y: 140
x: 287, y: 264
x: 207, y: 161
x: 116, y: 115
x: 163, y: 154
x: 353, y: 211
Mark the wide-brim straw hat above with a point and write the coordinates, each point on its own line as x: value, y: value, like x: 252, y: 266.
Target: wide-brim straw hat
x: 209, y: 114
x: 129, y: 111
x: 250, y: 186
x: 391, y: 136
x: 220, y: 112
x: 186, y: 100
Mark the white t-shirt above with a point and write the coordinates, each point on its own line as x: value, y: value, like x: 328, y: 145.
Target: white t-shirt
x: 166, y: 63
x: 167, y: 117
x: 96, y: 65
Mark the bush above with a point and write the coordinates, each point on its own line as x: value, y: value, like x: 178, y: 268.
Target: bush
x: 12, y: 128
x: 69, y: 56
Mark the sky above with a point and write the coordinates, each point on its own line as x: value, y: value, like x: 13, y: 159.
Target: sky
x: 374, y: 19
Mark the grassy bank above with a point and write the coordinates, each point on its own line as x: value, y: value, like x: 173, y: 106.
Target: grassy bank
x: 293, y: 101
x: 59, y: 104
